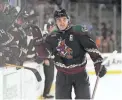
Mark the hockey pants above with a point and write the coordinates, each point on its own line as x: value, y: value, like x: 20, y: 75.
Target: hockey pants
x: 79, y: 81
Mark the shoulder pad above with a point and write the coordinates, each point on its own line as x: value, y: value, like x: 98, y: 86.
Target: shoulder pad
x: 76, y: 28
x: 84, y: 28
x: 80, y: 28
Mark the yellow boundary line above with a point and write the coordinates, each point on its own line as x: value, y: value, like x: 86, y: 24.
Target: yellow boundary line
x: 111, y: 72
x: 89, y: 72
x: 108, y: 72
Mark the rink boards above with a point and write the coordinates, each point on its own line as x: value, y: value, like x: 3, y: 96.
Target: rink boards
x: 22, y: 84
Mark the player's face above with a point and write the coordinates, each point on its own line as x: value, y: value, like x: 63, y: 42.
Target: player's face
x: 51, y: 28
x: 62, y: 23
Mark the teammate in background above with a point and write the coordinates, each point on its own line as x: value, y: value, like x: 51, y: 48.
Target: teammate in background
x: 48, y: 63
x: 69, y: 44
x: 9, y: 50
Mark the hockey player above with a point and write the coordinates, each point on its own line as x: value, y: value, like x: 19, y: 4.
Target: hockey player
x: 5, y: 41
x: 48, y: 63
x: 8, y: 48
x: 70, y: 44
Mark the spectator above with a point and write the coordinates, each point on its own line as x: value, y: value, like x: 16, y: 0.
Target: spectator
x: 111, y: 44
x: 104, y: 30
x: 104, y: 45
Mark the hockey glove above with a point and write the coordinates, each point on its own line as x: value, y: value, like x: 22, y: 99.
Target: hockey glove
x: 101, y: 72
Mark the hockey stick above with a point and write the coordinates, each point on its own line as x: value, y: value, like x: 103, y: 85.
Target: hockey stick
x: 103, y: 63
x: 12, y: 65
x: 35, y: 72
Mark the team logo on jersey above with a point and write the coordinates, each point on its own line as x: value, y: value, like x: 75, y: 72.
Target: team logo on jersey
x: 64, y: 50
x: 71, y: 38
x: 84, y: 28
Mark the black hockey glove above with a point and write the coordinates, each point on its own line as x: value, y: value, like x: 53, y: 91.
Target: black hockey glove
x: 101, y: 72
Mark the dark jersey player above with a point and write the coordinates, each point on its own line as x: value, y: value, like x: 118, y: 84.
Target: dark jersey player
x: 48, y: 63
x: 69, y: 44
